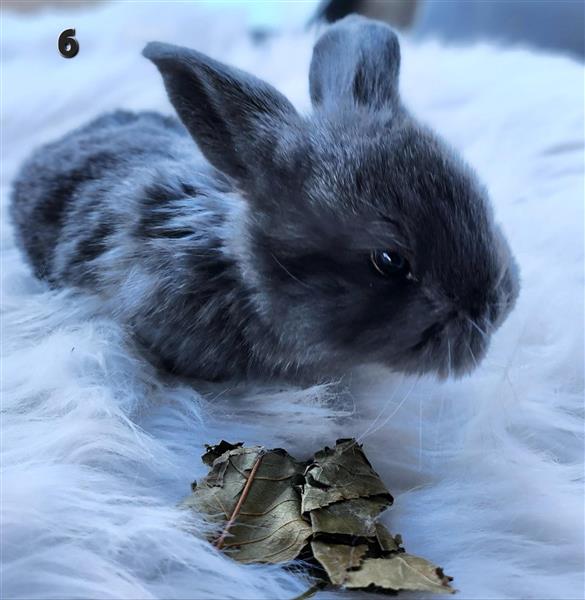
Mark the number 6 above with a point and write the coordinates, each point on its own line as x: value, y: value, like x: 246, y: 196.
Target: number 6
x: 68, y: 45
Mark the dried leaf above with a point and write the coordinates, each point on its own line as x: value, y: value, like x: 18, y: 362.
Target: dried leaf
x: 348, y: 566
x: 214, y: 452
x: 217, y: 494
x: 386, y: 541
x: 269, y: 526
x: 341, y: 473
x: 272, y: 507
x: 399, y: 571
x: 338, y: 559
x: 355, y: 518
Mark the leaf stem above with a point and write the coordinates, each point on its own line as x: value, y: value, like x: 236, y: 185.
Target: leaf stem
x: 221, y: 539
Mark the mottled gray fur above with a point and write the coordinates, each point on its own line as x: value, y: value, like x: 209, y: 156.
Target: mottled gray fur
x: 248, y: 254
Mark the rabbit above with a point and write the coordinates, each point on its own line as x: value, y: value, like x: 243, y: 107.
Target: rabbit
x: 247, y: 241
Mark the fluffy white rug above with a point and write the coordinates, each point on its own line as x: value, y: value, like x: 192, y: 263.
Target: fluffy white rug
x: 96, y: 450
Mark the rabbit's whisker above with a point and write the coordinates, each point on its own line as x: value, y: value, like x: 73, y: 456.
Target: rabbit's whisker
x: 472, y: 355
x: 478, y: 328
x: 289, y: 273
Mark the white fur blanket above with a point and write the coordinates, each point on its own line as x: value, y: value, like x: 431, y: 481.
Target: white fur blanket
x: 96, y: 450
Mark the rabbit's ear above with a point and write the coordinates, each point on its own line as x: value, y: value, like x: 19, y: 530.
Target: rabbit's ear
x: 357, y: 59
x: 234, y: 117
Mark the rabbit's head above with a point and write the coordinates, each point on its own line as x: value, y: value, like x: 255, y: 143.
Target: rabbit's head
x: 364, y: 239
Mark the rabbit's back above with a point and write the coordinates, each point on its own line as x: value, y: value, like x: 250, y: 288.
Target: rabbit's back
x: 127, y: 209
x: 66, y: 183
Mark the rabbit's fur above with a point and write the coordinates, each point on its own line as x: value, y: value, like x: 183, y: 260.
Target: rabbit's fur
x: 249, y: 254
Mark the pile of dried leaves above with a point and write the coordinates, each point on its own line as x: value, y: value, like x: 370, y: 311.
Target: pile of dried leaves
x: 273, y: 508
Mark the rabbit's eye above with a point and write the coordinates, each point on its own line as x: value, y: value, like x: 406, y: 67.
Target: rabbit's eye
x: 390, y: 264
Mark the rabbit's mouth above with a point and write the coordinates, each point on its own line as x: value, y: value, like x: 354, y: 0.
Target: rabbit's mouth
x: 466, y: 343
x: 450, y: 349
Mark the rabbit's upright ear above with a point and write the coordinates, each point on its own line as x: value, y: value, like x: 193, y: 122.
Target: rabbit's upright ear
x: 235, y: 118
x: 356, y: 60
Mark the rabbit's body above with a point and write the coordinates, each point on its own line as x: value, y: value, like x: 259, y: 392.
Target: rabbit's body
x: 127, y: 208
x: 278, y: 245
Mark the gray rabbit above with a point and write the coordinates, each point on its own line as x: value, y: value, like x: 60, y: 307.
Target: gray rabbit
x: 278, y: 245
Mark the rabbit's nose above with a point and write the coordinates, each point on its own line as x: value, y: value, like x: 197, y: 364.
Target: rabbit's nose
x: 478, y: 320
x: 474, y: 312
x: 473, y: 304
